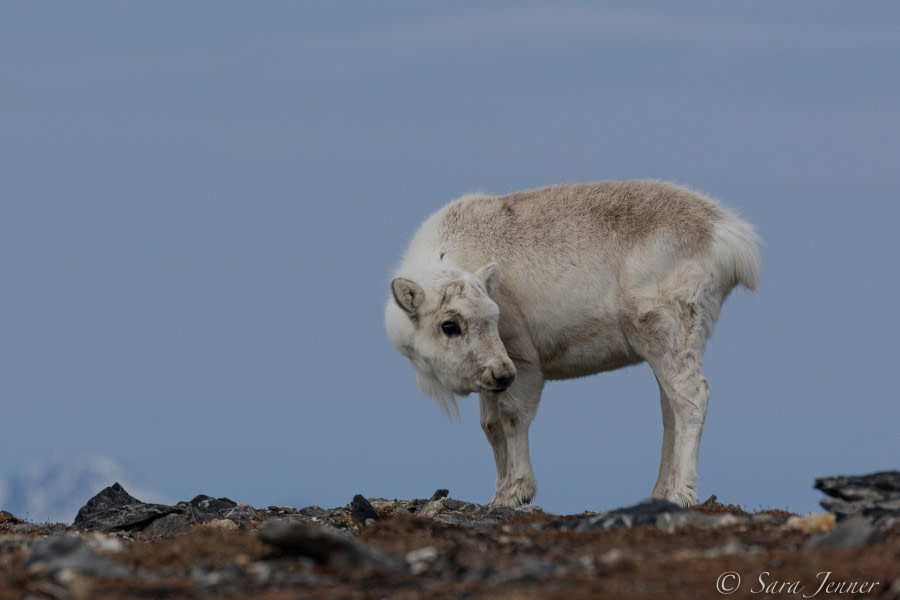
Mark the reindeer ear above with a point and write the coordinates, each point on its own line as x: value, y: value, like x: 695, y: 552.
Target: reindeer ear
x: 408, y: 295
x: 489, y: 276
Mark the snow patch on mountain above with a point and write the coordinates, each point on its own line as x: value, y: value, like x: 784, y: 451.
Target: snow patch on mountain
x: 52, y: 490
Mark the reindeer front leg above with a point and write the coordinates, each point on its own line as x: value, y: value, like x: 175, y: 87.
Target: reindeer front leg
x: 495, y: 434
x: 505, y: 419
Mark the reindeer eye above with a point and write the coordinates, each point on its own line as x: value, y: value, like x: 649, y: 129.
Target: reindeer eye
x: 450, y: 328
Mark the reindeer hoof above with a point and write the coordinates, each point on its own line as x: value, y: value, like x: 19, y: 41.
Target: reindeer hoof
x: 515, y: 493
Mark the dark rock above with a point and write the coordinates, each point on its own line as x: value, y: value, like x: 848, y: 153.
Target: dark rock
x: 214, y: 507
x: 203, y: 509
x: 440, y: 508
x: 324, y: 545
x: 241, y: 514
x: 413, y: 506
x: 529, y: 570
x: 439, y: 494
x: 711, y: 502
x: 453, y: 504
x: 842, y: 509
x: 169, y: 525
x: 861, y: 487
x: 850, y: 533
x: 465, y: 514
x: 874, y: 497
x: 503, y: 512
x: 649, y: 512
x: 70, y: 553
x: 115, y: 509
x: 317, y: 512
x: 653, y: 512
x: 362, y: 512
x: 8, y: 518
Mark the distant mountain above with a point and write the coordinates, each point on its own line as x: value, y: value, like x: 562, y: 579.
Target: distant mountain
x: 53, y: 490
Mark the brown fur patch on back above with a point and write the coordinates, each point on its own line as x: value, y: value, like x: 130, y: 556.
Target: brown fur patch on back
x: 631, y: 210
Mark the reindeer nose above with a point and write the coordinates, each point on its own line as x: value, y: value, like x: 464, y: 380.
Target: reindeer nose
x: 503, y: 379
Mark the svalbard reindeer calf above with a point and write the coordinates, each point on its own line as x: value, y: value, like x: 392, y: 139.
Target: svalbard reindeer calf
x: 498, y: 294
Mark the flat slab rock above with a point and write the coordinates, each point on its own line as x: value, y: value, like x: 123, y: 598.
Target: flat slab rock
x: 874, y: 498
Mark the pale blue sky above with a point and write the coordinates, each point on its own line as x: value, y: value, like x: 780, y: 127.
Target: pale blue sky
x: 201, y: 204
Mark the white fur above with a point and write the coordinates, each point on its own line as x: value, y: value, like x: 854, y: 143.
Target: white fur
x: 563, y: 282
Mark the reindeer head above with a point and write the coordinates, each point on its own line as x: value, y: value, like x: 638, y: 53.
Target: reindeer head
x: 447, y: 327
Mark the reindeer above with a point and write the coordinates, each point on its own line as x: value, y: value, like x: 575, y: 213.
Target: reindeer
x: 498, y: 294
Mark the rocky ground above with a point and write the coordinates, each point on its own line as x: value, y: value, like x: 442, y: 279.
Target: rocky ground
x: 120, y: 547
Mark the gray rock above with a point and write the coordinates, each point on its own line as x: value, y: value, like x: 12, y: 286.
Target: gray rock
x: 467, y: 514
x: 648, y: 512
x: 241, y: 514
x: 362, y: 512
x: 850, y: 533
x: 204, y: 508
x: 59, y: 553
x: 654, y: 512
x: 528, y: 570
x: 325, y: 546
x: 317, y: 512
x: 169, y: 525
x: 439, y: 507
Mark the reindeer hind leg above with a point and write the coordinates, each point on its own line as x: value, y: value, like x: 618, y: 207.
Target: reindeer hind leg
x: 671, y: 336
